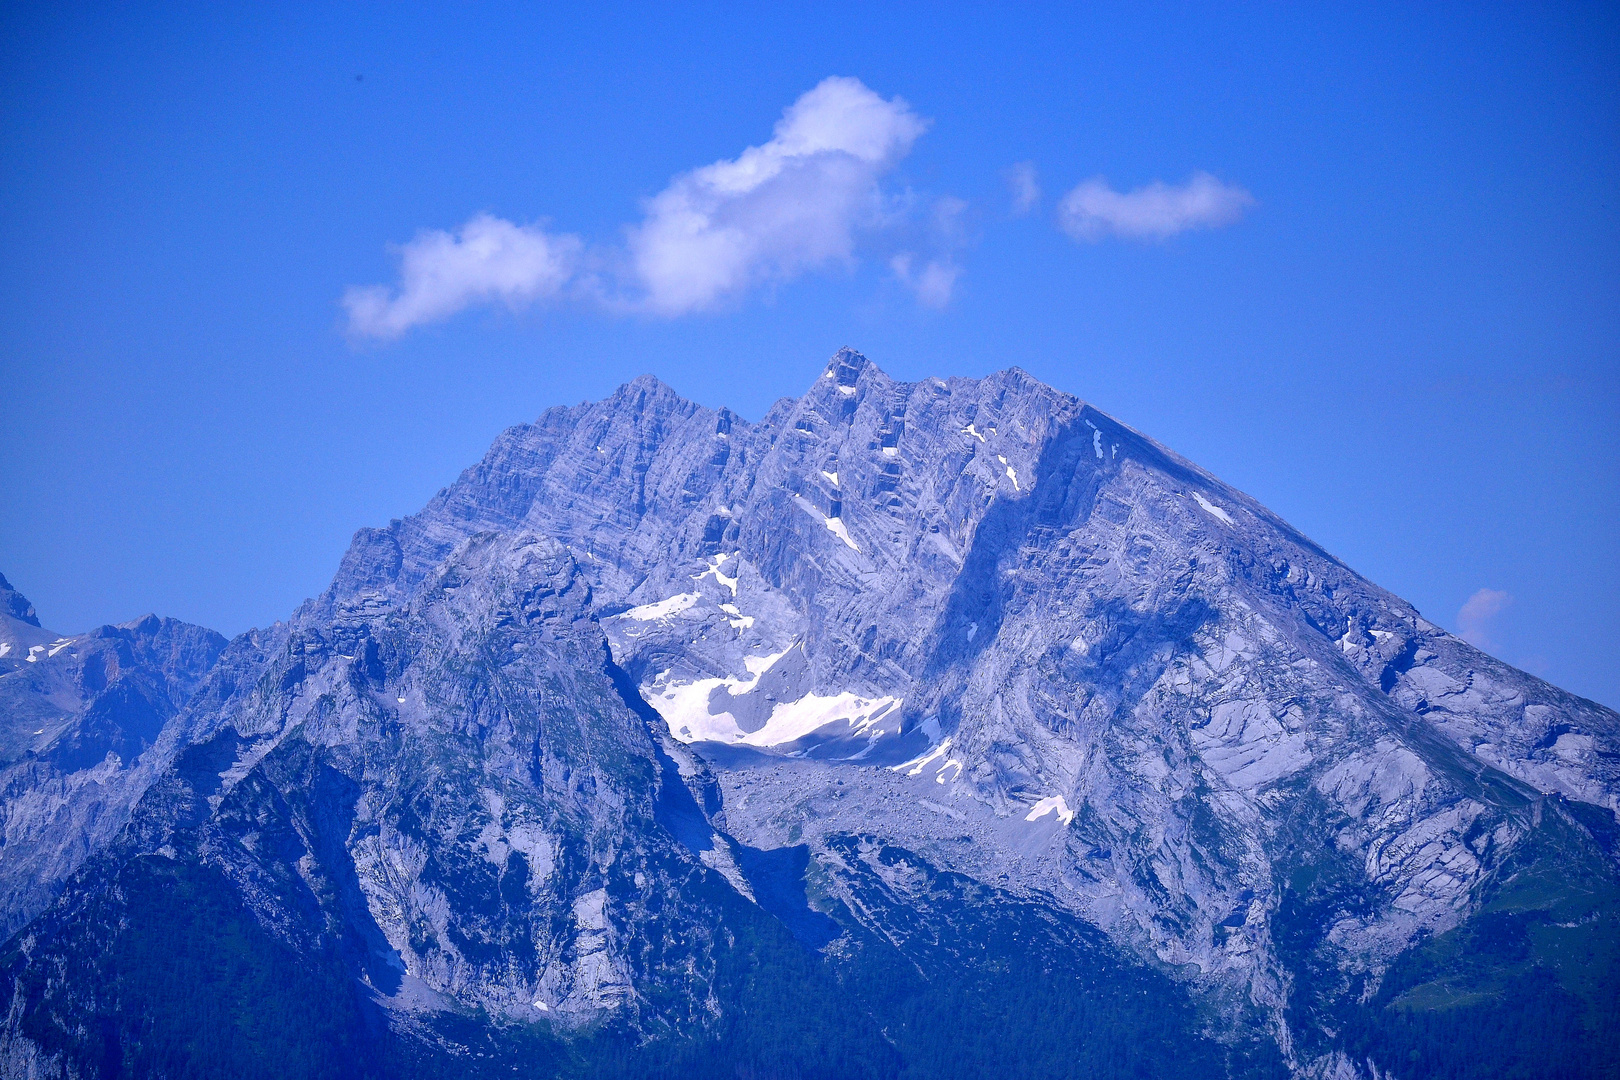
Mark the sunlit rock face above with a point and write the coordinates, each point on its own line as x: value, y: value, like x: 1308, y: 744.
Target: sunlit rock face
x: 897, y: 665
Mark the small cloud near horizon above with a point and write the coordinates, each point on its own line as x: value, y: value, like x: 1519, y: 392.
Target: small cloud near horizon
x: 1477, y: 616
x: 1157, y: 211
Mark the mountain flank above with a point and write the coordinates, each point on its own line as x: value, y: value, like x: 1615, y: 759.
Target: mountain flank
x: 948, y: 728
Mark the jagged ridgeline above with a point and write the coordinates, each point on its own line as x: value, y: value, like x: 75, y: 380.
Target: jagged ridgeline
x: 938, y: 729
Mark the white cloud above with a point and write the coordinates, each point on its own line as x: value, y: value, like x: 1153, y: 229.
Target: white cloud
x: 806, y: 199
x: 791, y: 204
x: 1094, y: 210
x: 1025, y: 187
x: 440, y: 274
x: 1476, y: 617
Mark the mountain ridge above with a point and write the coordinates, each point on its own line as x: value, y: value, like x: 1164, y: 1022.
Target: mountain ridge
x: 84, y: 726
x: 898, y: 658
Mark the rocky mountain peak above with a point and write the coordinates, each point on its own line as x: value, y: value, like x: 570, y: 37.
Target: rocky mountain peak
x: 15, y: 605
x: 653, y: 695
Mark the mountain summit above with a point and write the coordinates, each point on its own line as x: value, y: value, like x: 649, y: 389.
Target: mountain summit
x: 948, y: 727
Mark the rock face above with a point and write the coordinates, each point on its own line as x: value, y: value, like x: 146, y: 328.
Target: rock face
x: 949, y: 727
x: 82, y: 733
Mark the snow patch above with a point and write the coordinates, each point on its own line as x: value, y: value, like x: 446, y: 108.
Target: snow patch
x: 715, y: 563
x: 1051, y: 804
x: 836, y: 527
x: 973, y: 431
x: 830, y: 476
x: 662, y: 609
x: 795, y: 719
x: 865, y: 725
x: 738, y: 620
x: 1010, y: 474
x: 686, y: 709
x: 759, y: 665
x: 694, y: 711
x: 915, y: 766
x: 1212, y: 508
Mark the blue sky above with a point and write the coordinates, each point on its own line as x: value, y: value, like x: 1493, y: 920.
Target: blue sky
x: 1392, y: 313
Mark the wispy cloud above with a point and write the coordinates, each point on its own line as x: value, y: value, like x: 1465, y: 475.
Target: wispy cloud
x: 1093, y: 210
x: 933, y: 278
x: 440, y: 274
x: 791, y: 204
x: 1023, y: 183
x: 934, y: 281
x: 1477, y: 617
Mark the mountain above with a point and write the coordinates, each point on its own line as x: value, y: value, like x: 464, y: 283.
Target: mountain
x: 947, y: 728
x: 83, y: 730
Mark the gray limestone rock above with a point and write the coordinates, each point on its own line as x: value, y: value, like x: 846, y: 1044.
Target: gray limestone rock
x: 978, y: 621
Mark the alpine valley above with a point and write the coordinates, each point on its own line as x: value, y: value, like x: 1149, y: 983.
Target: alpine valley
x: 938, y: 729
